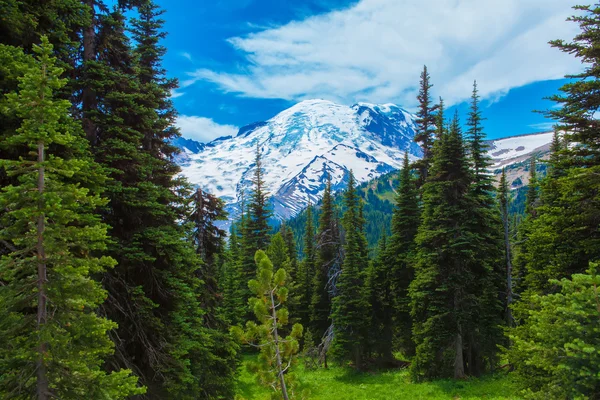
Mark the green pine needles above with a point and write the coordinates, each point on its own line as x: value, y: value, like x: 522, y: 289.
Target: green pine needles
x: 276, y: 359
x: 53, y: 341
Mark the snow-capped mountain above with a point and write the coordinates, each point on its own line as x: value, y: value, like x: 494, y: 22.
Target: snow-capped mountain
x: 300, y: 148
x: 515, y: 149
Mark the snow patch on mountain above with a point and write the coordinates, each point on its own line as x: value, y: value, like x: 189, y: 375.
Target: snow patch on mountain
x: 301, y: 147
x: 515, y: 149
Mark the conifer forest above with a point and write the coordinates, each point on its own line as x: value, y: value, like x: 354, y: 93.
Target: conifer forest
x: 122, y: 279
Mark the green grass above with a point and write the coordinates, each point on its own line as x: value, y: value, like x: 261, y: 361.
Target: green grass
x: 338, y: 383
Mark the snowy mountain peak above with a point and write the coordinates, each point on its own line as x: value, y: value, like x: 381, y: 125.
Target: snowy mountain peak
x: 301, y: 147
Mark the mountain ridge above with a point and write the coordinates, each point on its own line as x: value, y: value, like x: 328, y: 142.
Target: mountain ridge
x: 304, y: 144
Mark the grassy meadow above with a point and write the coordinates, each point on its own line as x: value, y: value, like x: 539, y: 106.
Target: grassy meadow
x: 337, y: 383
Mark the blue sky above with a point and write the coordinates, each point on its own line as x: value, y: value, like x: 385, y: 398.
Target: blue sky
x: 241, y: 61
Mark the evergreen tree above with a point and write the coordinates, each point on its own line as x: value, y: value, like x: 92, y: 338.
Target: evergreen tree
x: 328, y: 262
x: 425, y: 125
x: 531, y: 199
x: 400, y: 252
x: 208, y: 238
x: 231, y: 280
x: 276, y: 353
x: 255, y: 227
x: 477, y: 146
x: 555, y: 351
x: 350, y: 307
x: 155, y: 292
x: 443, y: 294
x: 485, y: 226
x: 378, y: 292
x: 504, y: 201
x: 524, y: 229
x: 307, y: 271
x: 290, y: 244
x: 54, y: 237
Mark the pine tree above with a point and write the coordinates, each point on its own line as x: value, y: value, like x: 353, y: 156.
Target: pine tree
x: 400, y: 252
x: 259, y: 211
x: 255, y: 227
x: 155, y: 292
x: 231, y: 281
x: 276, y: 353
x: 425, y: 125
x: 54, y: 235
x: 328, y: 262
x: 531, y: 199
x: 522, y: 253
x: 443, y: 304
x: 378, y: 292
x: 350, y: 307
x: 207, y: 237
x: 485, y: 225
x: 307, y: 270
x: 564, y: 237
x: 504, y: 201
x: 555, y: 351
x: 477, y: 146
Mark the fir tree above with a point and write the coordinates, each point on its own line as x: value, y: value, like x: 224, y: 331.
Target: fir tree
x: 155, y: 292
x: 443, y: 294
x: 307, y: 270
x: 328, y: 262
x: 350, y: 308
x: 54, y: 235
x: 231, y: 280
x: 400, y: 252
x: 485, y: 225
x: 255, y: 227
x: 531, y: 199
x: 425, y: 125
x: 378, y: 292
x: 504, y: 201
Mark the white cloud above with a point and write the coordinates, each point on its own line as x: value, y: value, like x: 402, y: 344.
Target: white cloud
x: 376, y: 49
x: 544, y: 126
x: 203, y: 129
x: 175, y: 94
x: 186, y: 55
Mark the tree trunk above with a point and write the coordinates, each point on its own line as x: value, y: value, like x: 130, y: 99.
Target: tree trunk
x: 459, y: 364
x: 43, y: 391
x: 509, y: 288
x: 277, y: 352
x: 88, y: 97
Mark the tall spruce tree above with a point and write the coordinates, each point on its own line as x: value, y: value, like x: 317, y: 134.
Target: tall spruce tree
x: 328, y: 261
x: 350, y: 307
x: 56, y: 240
x: 255, y: 226
x: 444, y: 293
x: 307, y: 270
x: 400, y: 253
x: 231, y: 280
x: 425, y: 125
x: 378, y: 293
x: 504, y: 202
x: 564, y: 237
x: 485, y: 225
x: 155, y: 292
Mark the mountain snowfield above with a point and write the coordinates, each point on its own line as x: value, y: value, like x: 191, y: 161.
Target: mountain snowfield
x: 313, y: 140
x: 514, y: 149
x: 301, y: 147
